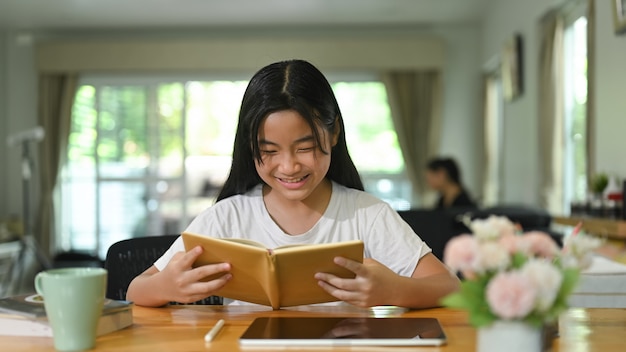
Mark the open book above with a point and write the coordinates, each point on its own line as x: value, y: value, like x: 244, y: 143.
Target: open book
x: 282, y: 277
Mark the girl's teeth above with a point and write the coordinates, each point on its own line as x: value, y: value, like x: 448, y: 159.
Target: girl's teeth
x: 294, y: 181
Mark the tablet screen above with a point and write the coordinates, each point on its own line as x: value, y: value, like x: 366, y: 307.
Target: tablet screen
x: 317, y: 331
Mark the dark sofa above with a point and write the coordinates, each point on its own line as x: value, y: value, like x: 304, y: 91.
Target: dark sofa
x: 437, y: 227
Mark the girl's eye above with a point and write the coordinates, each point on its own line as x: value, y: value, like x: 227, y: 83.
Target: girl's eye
x: 307, y: 149
x: 268, y: 152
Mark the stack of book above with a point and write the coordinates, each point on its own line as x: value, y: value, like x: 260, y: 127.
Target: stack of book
x: 25, y: 315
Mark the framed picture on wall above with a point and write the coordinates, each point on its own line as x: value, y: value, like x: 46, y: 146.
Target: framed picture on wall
x: 512, y: 68
x: 619, y: 16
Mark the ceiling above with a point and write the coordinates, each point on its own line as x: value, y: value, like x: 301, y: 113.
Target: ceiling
x: 145, y: 14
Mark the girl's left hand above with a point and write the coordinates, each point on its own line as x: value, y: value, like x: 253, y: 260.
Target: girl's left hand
x: 373, y: 285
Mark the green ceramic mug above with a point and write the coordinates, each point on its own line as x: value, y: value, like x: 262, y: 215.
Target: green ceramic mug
x: 73, y: 299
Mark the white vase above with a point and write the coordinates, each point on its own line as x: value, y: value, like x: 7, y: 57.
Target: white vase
x: 510, y: 336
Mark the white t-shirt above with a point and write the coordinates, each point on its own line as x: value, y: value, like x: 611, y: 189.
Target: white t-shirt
x: 350, y: 215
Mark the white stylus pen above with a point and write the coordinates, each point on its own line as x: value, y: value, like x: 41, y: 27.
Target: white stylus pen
x: 214, y: 331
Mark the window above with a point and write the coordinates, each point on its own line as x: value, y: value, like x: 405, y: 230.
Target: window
x: 575, y: 117
x: 372, y: 141
x: 146, y: 155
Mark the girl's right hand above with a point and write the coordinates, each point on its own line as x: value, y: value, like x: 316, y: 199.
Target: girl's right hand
x: 182, y: 283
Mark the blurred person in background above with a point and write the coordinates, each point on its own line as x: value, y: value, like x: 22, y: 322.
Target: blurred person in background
x: 444, y: 176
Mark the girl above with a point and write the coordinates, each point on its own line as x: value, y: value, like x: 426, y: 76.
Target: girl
x: 444, y: 176
x: 291, y: 182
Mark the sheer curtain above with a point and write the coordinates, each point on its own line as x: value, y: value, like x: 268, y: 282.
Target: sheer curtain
x: 492, y: 140
x: 551, y: 140
x: 415, y: 103
x: 56, y: 96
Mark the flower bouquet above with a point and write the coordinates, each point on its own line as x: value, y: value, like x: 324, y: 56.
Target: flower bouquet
x: 514, y: 276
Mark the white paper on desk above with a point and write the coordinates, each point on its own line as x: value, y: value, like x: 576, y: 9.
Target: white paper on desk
x: 602, y: 266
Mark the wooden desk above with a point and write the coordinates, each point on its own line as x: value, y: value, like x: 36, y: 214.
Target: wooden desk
x: 611, y: 228
x: 182, y: 328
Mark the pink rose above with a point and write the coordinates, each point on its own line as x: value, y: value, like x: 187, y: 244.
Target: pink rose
x: 540, y: 244
x: 511, y: 295
x: 460, y: 253
x: 510, y: 242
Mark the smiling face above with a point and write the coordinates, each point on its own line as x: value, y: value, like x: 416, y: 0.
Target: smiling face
x: 292, y: 164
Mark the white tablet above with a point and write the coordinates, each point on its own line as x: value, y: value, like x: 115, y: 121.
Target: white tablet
x: 317, y: 331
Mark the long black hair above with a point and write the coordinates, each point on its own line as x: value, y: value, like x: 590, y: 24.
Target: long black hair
x: 288, y: 85
x: 449, y: 166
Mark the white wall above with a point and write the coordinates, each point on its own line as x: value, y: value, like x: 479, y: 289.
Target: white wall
x: 3, y: 122
x: 462, y: 133
x: 610, y: 109
x: 462, y: 121
x: 520, y: 143
x: 21, y: 114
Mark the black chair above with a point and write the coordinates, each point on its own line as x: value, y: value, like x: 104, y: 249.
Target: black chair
x: 128, y: 258
x: 76, y: 259
x: 435, y: 227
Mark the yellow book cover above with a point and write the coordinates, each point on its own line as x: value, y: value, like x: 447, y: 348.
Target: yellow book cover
x: 281, y: 277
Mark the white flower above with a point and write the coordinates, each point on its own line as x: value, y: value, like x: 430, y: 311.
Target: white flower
x: 491, y: 228
x: 491, y: 257
x: 579, y: 244
x: 577, y: 249
x: 547, y: 280
x: 580, y: 262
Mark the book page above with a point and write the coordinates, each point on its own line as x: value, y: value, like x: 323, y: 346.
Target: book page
x: 297, y: 265
x: 250, y: 266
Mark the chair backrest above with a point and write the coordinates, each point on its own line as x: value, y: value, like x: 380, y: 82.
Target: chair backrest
x: 433, y: 226
x: 128, y: 258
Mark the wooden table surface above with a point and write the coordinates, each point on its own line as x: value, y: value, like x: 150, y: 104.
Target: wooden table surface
x: 611, y: 228
x: 182, y: 328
